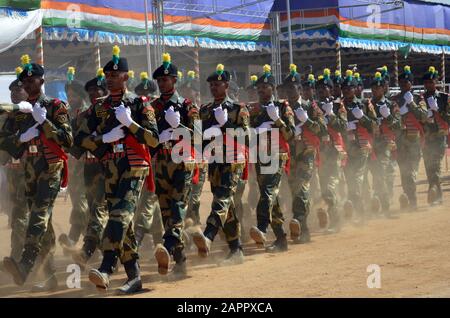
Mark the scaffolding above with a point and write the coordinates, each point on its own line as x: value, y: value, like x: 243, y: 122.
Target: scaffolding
x: 158, y: 30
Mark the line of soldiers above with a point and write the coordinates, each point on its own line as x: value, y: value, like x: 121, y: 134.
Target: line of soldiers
x: 118, y: 151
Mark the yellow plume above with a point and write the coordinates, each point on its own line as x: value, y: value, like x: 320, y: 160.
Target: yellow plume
x: 253, y: 78
x: 293, y: 68
x: 191, y: 74
x: 131, y: 74
x: 19, y: 70
x: 220, y: 68
x: 326, y: 72
x: 349, y: 73
x: 25, y: 59
x: 116, y: 50
x: 431, y: 69
x: 144, y: 76
x: 166, y: 57
x: 100, y: 72
x: 266, y: 68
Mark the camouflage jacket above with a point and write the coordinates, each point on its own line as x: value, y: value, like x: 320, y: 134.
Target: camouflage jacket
x: 437, y: 124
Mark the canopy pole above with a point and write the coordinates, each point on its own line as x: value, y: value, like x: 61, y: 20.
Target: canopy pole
x: 197, y: 65
x: 149, y: 59
x: 39, y: 46
x: 443, y: 68
x: 338, y: 57
x: 291, y: 56
x: 395, y: 68
x: 98, y: 59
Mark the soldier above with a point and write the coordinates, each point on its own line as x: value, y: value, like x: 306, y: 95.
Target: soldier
x: 436, y: 131
x: 94, y: 179
x: 310, y: 128
x: 252, y: 92
x: 384, y: 144
x: 224, y: 172
x: 361, y: 122
x: 118, y: 131
x: 332, y: 148
x: 39, y: 135
x: 76, y: 98
x: 15, y: 174
x: 173, y: 179
x: 148, y: 213
x: 337, y: 81
x: 413, y: 117
x: 264, y: 116
x: 359, y: 86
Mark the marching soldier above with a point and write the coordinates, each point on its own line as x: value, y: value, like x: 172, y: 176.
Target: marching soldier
x: 359, y: 142
x: 15, y: 175
x: 173, y: 180
x: 266, y: 115
x: 218, y: 116
x: 413, y: 117
x: 119, y: 130
x: 76, y: 98
x: 94, y: 180
x: 384, y: 144
x: 309, y: 129
x: 436, y: 131
x: 39, y: 135
x: 148, y: 213
x: 332, y: 148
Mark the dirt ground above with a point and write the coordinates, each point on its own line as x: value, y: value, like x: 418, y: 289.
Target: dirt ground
x: 412, y: 252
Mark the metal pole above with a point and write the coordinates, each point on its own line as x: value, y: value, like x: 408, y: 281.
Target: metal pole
x: 197, y: 65
x: 149, y: 59
x: 291, y: 57
x: 395, y: 69
x: 338, y: 57
x: 39, y: 46
x: 443, y: 69
x: 98, y: 62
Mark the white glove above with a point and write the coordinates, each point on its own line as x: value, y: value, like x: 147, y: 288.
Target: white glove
x: 328, y: 108
x: 273, y: 112
x: 301, y: 114
x: 173, y: 117
x: 25, y: 107
x: 429, y: 113
x: 408, y: 97
x: 404, y: 109
x: 166, y: 135
x: 31, y: 133
x: 298, y: 130
x: 221, y: 115
x: 39, y: 113
x: 357, y: 112
x: 351, y: 125
x: 213, y: 131
x: 384, y: 111
x: 265, y: 126
x: 431, y: 101
x: 94, y: 134
x: 115, y: 134
x: 123, y: 115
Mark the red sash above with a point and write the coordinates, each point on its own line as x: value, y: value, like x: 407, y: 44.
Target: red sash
x: 337, y: 139
x: 143, y: 152
x: 284, y: 146
x: 441, y: 122
x: 314, y: 141
x: 413, y: 120
x: 59, y: 152
x: 364, y: 134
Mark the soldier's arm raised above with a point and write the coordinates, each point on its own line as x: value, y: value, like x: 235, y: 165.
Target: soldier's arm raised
x: 58, y: 128
x: 146, y: 131
x: 286, y: 123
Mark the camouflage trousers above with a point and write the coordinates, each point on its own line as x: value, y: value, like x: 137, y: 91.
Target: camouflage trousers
x: 408, y: 158
x: 329, y: 171
x: 148, y: 217
x: 193, y: 210
x: 173, y: 184
x: 268, y: 209
x: 94, y: 182
x: 433, y: 153
x: 80, y: 212
x: 300, y: 184
x: 42, y: 184
x: 241, y: 211
x: 354, y: 174
x: 123, y: 186
x: 19, y: 210
x: 223, y: 178
x: 381, y: 170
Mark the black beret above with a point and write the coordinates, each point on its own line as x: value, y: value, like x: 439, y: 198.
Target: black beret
x: 121, y: 66
x: 161, y: 71
x: 293, y: 79
x: 146, y: 85
x: 216, y: 76
x: 266, y: 79
x: 15, y: 83
x: 96, y: 82
x: 33, y: 70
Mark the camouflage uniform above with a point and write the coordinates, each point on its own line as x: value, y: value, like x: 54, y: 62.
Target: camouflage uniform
x: 15, y: 174
x: 358, y: 148
x: 384, y: 147
x: 305, y: 147
x: 268, y: 210
x: 43, y: 169
x: 124, y: 168
x: 436, y: 131
x: 224, y: 176
x: 173, y: 180
x: 409, y: 145
x: 332, y: 155
x: 193, y: 210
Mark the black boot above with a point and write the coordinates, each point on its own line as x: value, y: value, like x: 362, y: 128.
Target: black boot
x: 21, y: 270
x: 82, y: 256
x: 179, y: 270
x: 50, y: 283
x: 280, y: 245
x: 305, y: 237
x: 134, y: 282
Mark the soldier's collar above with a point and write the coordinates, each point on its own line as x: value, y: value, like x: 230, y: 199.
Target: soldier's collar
x: 226, y: 100
x: 272, y: 100
x: 176, y: 98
